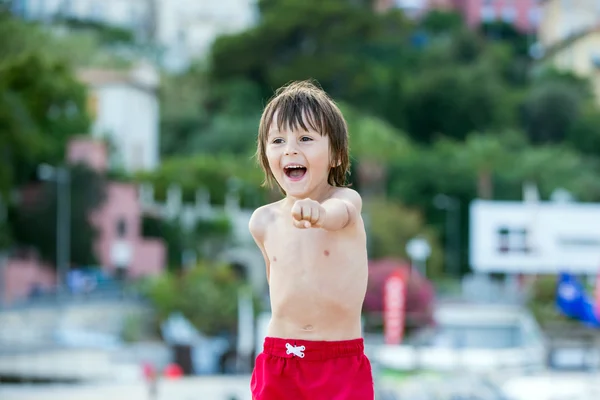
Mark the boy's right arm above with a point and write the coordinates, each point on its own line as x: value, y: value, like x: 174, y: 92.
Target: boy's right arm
x: 257, y: 227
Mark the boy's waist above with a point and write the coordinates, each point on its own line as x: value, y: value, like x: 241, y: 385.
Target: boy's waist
x: 313, y: 350
x: 305, y: 324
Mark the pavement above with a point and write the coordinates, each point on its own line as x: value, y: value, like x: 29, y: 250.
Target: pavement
x: 196, y: 388
x: 541, y: 386
x: 554, y: 386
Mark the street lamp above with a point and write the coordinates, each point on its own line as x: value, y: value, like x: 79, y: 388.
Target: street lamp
x: 418, y: 250
x: 61, y: 176
x: 452, y: 207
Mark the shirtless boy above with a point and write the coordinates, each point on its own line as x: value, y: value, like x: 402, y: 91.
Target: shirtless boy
x: 314, y: 245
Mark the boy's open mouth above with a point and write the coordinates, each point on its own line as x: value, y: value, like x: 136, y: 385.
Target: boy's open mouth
x: 294, y: 171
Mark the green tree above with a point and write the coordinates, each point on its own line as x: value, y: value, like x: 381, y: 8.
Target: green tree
x: 551, y: 110
x: 213, y: 173
x: 442, y: 22
x: 355, y: 54
x: 41, y: 103
x: 373, y: 144
x: 207, y: 239
x: 506, y: 32
x: 584, y: 133
x: 206, y: 295
x: 199, y: 117
x: 486, y: 154
x: 34, y: 222
x: 555, y: 166
x: 455, y: 101
x: 391, y: 225
x: 183, y: 116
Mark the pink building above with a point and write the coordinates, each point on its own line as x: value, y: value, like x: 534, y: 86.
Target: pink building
x: 119, y: 245
x: 525, y: 15
x: 22, y: 275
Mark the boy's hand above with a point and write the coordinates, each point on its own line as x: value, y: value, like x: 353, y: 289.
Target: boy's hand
x: 308, y: 213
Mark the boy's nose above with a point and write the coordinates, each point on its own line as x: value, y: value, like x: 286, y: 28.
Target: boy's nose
x: 290, y: 150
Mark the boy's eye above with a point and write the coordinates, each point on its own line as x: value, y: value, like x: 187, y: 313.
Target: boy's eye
x: 305, y: 139
x: 278, y: 140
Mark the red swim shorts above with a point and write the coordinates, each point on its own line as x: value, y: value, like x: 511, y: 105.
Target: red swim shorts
x: 290, y: 369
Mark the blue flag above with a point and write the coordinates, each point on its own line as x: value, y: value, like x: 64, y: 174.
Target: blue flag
x: 572, y: 301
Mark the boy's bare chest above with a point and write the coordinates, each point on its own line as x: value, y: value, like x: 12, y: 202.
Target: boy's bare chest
x: 288, y: 245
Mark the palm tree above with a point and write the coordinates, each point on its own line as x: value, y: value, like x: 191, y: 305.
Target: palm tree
x: 373, y: 144
x: 486, y: 154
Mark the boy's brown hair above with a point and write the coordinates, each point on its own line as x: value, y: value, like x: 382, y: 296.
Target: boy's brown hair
x: 304, y: 104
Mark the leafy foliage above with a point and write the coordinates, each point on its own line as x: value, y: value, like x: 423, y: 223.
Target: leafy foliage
x: 35, y: 222
x: 206, y: 295
x: 391, y: 225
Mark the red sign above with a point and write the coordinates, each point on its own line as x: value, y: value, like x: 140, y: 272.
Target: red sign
x: 394, y: 301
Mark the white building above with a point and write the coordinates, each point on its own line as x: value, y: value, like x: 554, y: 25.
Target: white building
x: 534, y: 237
x: 186, y: 29
x: 182, y: 29
x: 566, y: 19
x: 125, y: 110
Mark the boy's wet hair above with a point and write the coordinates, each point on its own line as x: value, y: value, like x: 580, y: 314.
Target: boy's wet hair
x: 302, y: 104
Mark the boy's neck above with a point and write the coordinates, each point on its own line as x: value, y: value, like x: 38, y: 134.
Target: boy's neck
x: 320, y: 194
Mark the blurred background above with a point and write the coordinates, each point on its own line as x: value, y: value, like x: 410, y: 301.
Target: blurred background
x: 127, y: 133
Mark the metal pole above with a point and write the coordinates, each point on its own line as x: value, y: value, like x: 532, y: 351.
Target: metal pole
x: 448, y: 242
x: 67, y: 224
x: 63, y: 225
x: 456, y: 236
x: 59, y: 234
x: 451, y: 206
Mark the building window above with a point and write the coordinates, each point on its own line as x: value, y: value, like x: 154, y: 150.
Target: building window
x: 121, y: 228
x: 509, y: 14
x: 535, y: 17
x: 513, y: 240
x: 488, y: 14
x: 138, y: 154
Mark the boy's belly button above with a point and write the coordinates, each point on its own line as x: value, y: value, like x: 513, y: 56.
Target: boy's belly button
x: 308, y: 328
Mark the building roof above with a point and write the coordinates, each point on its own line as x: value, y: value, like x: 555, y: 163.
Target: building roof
x: 102, y: 76
x: 143, y: 76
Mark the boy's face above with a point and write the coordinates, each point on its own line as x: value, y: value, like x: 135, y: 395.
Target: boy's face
x: 298, y: 159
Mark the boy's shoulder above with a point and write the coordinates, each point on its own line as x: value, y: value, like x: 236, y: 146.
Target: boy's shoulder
x: 261, y: 217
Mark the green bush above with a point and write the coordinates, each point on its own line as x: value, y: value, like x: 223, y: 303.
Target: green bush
x: 206, y: 295
x: 542, y: 301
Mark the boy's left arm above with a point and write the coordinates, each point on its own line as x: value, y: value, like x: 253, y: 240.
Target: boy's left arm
x: 342, y: 209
